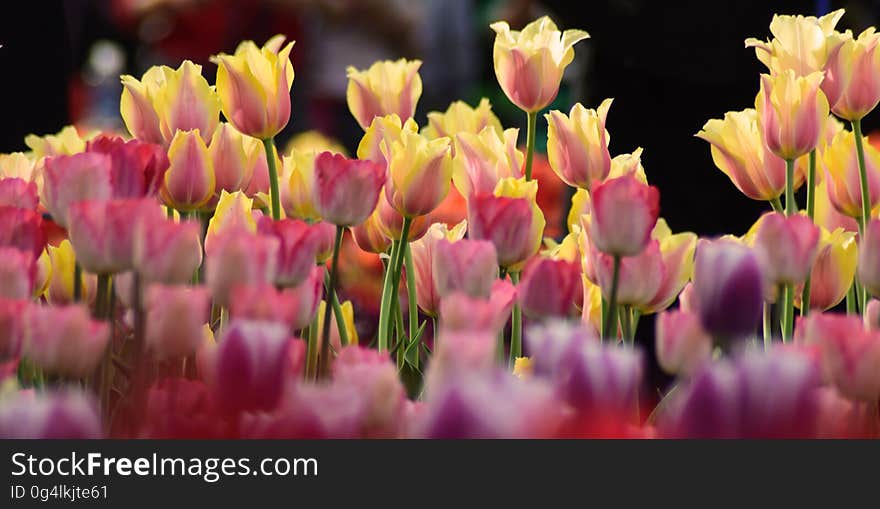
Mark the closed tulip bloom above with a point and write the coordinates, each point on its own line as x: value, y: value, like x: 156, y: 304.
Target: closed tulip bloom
x: 249, y: 368
x: 17, y: 273
x: 52, y: 414
x: 482, y: 159
x: 64, y: 340
x: 166, y: 251
x: 254, y: 86
x: 189, y: 183
x: 347, y: 190
x: 842, y: 174
x: 791, y: 112
x: 298, y: 245
x: 325, y: 233
x: 368, y: 235
x: 420, y: 173
x: 460, y: 117
x: 423, y: 251
x: 468, y: 266
x: 869, y: 258
x: 234, y: 157
x: 175, y: 317
x: 799, y: 43
x: 728, y: 288
x: 529, y: 63
x: 299, y: 167
x: 550, y: 288
x: 101, y: 232
x: 347, y: 309
x: 505, y: 222
x: 233, y: 211
x: 386, y: 87
x: 850, y: 355
x: 383, y: 132
x: 22, y: 229
x: 69, y: 179
x: 872, y: 315
x: 577, y: 145
x: 185, y: 102
x: 238, y: 257
x: 390, y: 221
x: 786, y: 247
x: 17, y: 165
x: 682, y: 344
x: 60, y: 286
x: 623, y: 234
x: 640, y: 276
x: 462, y: 312
x: 738, y: 150
x: 852, y: 77
x: 834, y: 269
x: 293, y: 307
x: 136, y: 105
x: 137, y: 168
x: 826, y: 215
x: 19, y: 193
x: 677, y: 251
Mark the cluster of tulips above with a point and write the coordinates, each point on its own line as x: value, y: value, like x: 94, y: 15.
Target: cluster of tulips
x: 183, y: 282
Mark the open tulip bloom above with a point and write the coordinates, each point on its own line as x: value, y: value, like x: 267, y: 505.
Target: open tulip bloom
x: 190, y: 279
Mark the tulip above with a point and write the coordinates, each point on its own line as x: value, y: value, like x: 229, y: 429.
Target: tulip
x: 324, y: 232
x: 833, y: 271
x: 458, y: 355
x: 842, y: 175
x: 64, y: 340
x: 314, y: 141
x: 259, y: 187
x: 852, y: 78
x: 175, y: 317
x: 826, y: 215
x: 387, y: 87
x: 383, y: 132
x: 529, y: 63
x: 850, y: 356
x: 550, y: 288
x: 369, y: 237
x: 347, y: 310
x: 297, y: 248
x: 869, y: 258
x: 17, y: 273
x: 800, y: 43
x: 468, y: 266
x: 740, y: 153
x: 728, y: 288
x: 165, y: 251
x: 136, y: 168
x: 136, y: 104
x: 623, y: 234
x: 22, y: 229
x: 267, y: 303
x: 389, y: 222
x: 376, y: 376
x: 511, y: 219
x: 639, y: 277
x: 101, y: 232
x: 234, y: 157
x: 11, y: 328
x: 69, y: 179
x: 677, y: 251
x: 577, y: 145
x: 249, y: 367
x: 786, y: 247
x: 420, y: 173
x: 238, y: 257
x: 61, y: 281
x: 189, y: 182
x: 254, y: 87
x: 53, y: 414
x: 233, y: 211
x: 483, y: 159
x: 461, y: 312
x: 460, y: 117
x: 423, y: 255
x: 347, y: 190
x: 872, y: 315
x: 791, y: 111
x: 522, y: 368
x: 300, y: 168
x: 65, y: 142
x: 682, y: 344
x: 17, y: 165
x: 16, y: 192
x: 591, y: 312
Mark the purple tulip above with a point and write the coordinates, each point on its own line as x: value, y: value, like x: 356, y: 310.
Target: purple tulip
x: 58, y: 414
x: 728, y: 288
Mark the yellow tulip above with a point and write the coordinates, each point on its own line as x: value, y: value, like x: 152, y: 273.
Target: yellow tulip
x: 420, y: 173
x: 842, y: 174
x: 852, y: 78
x: 59, y: 288
x: 67, y: 141
x: 386, y: 87
x: 791, y: 111
x: 17, y: 165
x: 481, y: 160
x: 577, y: 145
x: 347, y: 320
x: 833, y: 271
x: 523, y: 367
x: 314, y: 141
x: 460, y: 117
x: 383, y: 130
x: 298, y: 169
x: 233, y: 211
x: 189, y: 182
x: 799, y: 43
x: 591, y: 314
x: 677, y: 251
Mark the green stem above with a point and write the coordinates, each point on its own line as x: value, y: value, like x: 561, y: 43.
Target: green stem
x: 382, y: 334
x: 811, y: 186
x: 530, y: 142
x: 392, y: 282
x: 788, y: 322
x: 77, y: 282
x: 626, y: 325
x: 337, y: 312
x: 805, y: 296
x: 863, y: 174
x: 312, y: 355
x: 269, y: 146
x: 324, y: 359
x: 777, y: 205
x: 611, y: 312
x: 411, y: 296
x: 790, y: 205
x: 851, y: 299
x: 768, y: 326
x: 515, y: 326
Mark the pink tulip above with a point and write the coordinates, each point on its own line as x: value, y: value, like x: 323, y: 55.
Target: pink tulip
x: 238, y: 257
x: 390, y: 222
x: 176, y: 316
x: 458, y: 354
x: 624, y: 213
x: 16, y: 192
x: 64, y: 340
x: 551, y: 288
x: 22, y: 229
x: 52, y: 414
x: 869, y: 258
x: 506, y: 222
x: 165, y: 251
x: 786, y: 247
x: 577, y: 145
x: 872, y: 315
x: 17, y: 273
x: 293, y: 307
x: 102, y: 235
x: 852, y: 75
x: 682, y: 343
x: 423, y: 263
x: 791, y: 112
x: 468, y: 266
x: 461, y: 312
x: 850, y: 354
x: 347, y: 190
x: 136, y: 168
x: 325, y: 233
x: 11, y: 328
x: 369, y: 237
x: 640, y: 277
x: 298, y: 244
x: 69, y: 179
x: 376, y: 378
x: 189, y: 182
x: 234, y: 158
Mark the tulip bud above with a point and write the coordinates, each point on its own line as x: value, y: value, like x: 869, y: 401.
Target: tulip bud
x: 175, y: 317
x: 54, y: 414
x: 299, y: 166
x: 529, y: 63
x: 791, y: 112
x: 506, y: 223
x: 387, y: 87
x: 842, y: 174
x: 136, y: 105
x: 423, y: 255
x: 297, y: 248
x: 462, y: 312
x: 136, y: 168
x: 482, y: 159
x: 22, y: 229
x: 786, y: 247
x: 16, y: 192
x: 577, y: 145
x: 60, y: 287
x: 165, y: 251
x: 728, y: 287
x: 460, y: 117
x: 238, y: 257
x: 419, y: 171
x: 682, y: 344
x: 64, y: 340
x: 550, y: 288
x: 254, y: 86
x: 234, y: 158
x: 69, y: 179
x: 623, y: 234
x: 852, y: 78
x: 101, y: 232
x: 347, y: 190
x: 189, y: 182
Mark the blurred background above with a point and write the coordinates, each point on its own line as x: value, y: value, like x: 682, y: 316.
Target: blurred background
x: 669, y: 65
